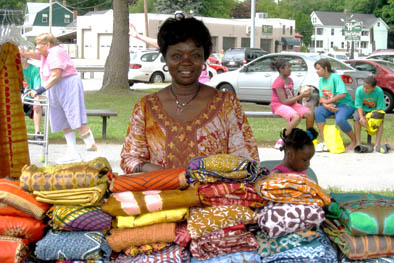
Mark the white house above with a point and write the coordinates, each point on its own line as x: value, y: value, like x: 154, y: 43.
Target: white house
x: 94, y: 32
x: 329, y: 35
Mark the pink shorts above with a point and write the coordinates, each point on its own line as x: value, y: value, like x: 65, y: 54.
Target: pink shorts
x: 288, y: 111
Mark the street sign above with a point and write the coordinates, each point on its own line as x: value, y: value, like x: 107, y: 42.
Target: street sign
x: 353, y: 30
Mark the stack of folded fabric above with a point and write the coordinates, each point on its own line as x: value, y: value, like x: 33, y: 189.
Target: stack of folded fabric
x: 362, y: 226
x: 78, y: 224
x: 20, y: 221
x: 218, y: 231
x: 289, y: 223
x: 148, y: 209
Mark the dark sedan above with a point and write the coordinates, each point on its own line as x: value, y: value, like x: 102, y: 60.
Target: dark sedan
x: 384, y: 73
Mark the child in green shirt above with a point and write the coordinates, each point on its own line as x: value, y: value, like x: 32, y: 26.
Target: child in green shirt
x: 369, y: 97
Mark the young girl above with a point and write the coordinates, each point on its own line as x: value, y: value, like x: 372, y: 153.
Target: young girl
x: 299, y: 150
x: 284, y: 103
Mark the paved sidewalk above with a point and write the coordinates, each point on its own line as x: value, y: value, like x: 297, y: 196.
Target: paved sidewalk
x: 346, y: 171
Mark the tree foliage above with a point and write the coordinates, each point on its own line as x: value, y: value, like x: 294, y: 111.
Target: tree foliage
x: 169, y: 7
x: 216, y: 8
x: 138, y: 7
x: 88, y: 5
x: 241, y: 10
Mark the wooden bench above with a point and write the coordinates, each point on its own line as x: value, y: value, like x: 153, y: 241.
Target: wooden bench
x: 104, y: 114
x: 268, y: 114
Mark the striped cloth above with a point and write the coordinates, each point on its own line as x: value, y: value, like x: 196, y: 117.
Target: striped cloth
x: 167, y: 179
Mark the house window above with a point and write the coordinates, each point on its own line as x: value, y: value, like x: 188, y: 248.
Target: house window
x: 378, y: 24
x: 319, y: 31
x: 332, y: 44
x: 284, y: 30
x: 67, y: 19
x: 342, y: 45
x: 364, y: 44
x: 332, y: 31
x: 364, y: 33
x: 291, y: 30
x: 44, y: 18
x: 313, y: 43
x: 314, y: 20
x: 319, y: 43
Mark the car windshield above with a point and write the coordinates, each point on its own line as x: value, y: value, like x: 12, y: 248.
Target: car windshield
x: 388, y: 65
x: 235, y: 54
x: 335, y: 64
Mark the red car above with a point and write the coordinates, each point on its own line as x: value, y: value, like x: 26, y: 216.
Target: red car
x: 384, y: 73
x: 215, y: 63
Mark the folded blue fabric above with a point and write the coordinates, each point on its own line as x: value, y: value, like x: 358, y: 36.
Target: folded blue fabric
x: 77, y: 245
x: 319, y: 250
x: 239, y: 257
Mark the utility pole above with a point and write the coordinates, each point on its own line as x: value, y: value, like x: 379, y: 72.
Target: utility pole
x: 50, y: 16
x: 253, y: 17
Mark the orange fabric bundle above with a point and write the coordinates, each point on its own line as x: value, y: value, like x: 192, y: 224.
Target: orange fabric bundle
x: 11, y: 194
x: 121, y: 239
x: 167, y: 179
x: 291, y: 188
x: 14, y: 152
x: 24, y: 227
x: 13, y: 249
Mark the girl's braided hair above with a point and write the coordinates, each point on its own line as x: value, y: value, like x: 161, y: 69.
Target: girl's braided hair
x: 298, y: 138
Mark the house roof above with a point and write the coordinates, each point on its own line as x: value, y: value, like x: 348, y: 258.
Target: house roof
x: 334, y: 18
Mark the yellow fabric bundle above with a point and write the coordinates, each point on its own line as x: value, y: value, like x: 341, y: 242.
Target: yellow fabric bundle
x: 165, y: 216
x: 67, y: 176
x: 82, y: 196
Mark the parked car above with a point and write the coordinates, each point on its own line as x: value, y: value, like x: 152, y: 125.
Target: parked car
x: 147, y: 66
x: 382, y: 55
x: 338, y: 55
x: 234, y: 58
x: 215, y: 63
x: 253, y: 82
x: 384, y: 72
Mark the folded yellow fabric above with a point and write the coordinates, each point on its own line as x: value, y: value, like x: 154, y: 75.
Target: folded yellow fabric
x: 66, y: 176
x: 165, y: 216
x: 83, y: 196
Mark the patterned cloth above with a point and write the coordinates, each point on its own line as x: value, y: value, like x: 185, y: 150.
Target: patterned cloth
x: 165, y: 216
x: 223, y: 167
x: 82, y: 196
x: 77, y: 218
x: 13, y: 249
x: 66, y: 176
x: 14, y: 152
x: 343, y: 259
x: 221, y: 193
x: 167, y: 179
x: 135, y: 203
x: 238, y: 257
x: 171, y: 254
x: 358, y: 247
x: 363, y: 214
x: 182, y: 236
x: 72, y: 245
x: 223, y: 241
x: 144, y: 249
x: 277, y: 219
x: 16, y: 202
x: 291, y: 188
x: 23, y: 227
x: 153, y: 136
x: 121, y: 239
x: 318, y: 250
x: 204, y: 220
x: 269, y: 246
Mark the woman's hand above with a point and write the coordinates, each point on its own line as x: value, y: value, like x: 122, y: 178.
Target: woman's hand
x: 330, y: 107
x: 363, y: 121
x: 133, y: 31
x: 32, y: 93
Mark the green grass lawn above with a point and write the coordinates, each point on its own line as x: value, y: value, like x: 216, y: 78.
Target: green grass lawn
x: 266, y: 130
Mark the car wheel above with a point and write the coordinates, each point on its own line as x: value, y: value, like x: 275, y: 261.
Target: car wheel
x: 226, y: 87
x: 220, y: 71
x: 389, y: 101
x: 157, y: 77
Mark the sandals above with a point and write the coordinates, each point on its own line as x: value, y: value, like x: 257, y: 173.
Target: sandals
x: 363, y: 148
x: 384, y: 148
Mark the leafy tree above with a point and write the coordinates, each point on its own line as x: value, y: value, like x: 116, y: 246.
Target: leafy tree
x: 88, y: 5
x: 117, y: 63
x: 139, y: 7
x: 169, y: 7
x: 216, y: 8
x: 304, y: 26
x: 387, y: 14
x: 241, y: 10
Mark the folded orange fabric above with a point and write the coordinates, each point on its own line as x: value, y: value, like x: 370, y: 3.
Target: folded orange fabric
x: 24, y: 227
x: 291, y: 188
x: 13, y: 249
x: 11, y: 194
x: 167, y: 179
x: 121, y: 239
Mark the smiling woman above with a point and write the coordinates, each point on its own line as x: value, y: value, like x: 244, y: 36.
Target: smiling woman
x: 186, y: 119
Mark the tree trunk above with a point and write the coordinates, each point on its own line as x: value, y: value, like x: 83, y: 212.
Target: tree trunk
x: 117, y: 63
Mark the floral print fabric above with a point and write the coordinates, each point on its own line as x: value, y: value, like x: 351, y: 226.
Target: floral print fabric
x: 153, y: 136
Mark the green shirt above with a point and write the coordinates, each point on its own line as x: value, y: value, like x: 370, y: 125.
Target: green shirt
x: 32, y: 76
x: 332, y: 86
x: 371, y: 101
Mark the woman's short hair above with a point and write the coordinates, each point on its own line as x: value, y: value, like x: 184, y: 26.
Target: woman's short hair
x: 278, y: 64
x: 371, y: 80
x: 46, y: 38
x: 176, y: 30
x: 325, y: 63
